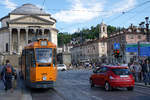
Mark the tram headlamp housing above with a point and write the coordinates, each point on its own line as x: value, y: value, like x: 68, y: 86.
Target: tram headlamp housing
x: 44, y: 78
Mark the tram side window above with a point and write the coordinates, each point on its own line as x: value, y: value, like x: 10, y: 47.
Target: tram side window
x: 54, y: 57
x: 30, y: 57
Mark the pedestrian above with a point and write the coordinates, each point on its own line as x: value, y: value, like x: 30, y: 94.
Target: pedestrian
x: 93, y: 65
x: 7, y: 73
x: 136, y: 70
x: 124, y: 64
x: 142, y: 62
x: 146, y: 71
x: 1, y: 76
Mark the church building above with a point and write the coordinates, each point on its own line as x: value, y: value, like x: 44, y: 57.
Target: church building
x: 22, y: 24
x: 93, y: 50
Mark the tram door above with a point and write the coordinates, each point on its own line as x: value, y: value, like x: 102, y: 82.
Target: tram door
x: 28, y: 63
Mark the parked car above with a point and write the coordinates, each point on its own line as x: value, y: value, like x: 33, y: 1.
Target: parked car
x: 61, y: 67
x: 112, y: 77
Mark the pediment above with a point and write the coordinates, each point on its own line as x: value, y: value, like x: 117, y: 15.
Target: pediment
x: 31, y: 19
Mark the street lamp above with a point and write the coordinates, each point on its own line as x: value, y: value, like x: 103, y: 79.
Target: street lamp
x: 147, y: 29
x: 142, y: 26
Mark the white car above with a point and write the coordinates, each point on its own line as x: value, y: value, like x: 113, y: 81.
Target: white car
x: 61, y: 67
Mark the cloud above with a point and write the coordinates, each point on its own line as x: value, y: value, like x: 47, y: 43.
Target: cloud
x: 9, y: 4
x: 125, y: 5
x: 81, y: 10
x: 122, y: 6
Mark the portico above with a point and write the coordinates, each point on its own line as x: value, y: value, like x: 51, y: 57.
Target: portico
x: 22, y: 24
x: 17, y: 41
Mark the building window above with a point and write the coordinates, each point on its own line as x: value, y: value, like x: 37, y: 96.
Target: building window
x: 6, y: 47
x: 103, y: 29
x: 103, y: 44
x: 103, y: 50
x: 131, y: 37
x: 139, y: 36
x: 94, y: 47
x: 122, y: 38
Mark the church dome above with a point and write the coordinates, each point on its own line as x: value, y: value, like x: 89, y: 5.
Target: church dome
x: 28, y: 9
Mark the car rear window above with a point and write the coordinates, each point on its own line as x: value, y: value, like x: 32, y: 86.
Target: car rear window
x: 121, y: 71
x: 60, y: 65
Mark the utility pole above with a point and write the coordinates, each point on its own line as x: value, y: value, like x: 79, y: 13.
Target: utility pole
x: 142, y: 26
x: 147, y: 29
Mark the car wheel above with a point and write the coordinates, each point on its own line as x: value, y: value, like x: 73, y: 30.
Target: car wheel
x: 130, y: 88
x: 63, y: 69
x: 107, y: 87
x: 92, y: 84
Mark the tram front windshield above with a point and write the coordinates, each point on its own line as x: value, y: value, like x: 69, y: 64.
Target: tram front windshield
x: 43, y: 55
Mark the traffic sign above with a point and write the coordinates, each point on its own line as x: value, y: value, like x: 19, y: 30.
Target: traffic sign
x: 131, y: 48
x: 116, y: 45
x: 144, y: 49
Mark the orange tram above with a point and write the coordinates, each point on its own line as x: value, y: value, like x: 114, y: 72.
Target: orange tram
x: 38, y: 64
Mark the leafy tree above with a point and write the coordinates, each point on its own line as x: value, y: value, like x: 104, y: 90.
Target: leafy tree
x: 110, y: 30
x: 89, y: 33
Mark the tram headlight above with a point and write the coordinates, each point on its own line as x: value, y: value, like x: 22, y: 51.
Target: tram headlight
x: 44, y: 78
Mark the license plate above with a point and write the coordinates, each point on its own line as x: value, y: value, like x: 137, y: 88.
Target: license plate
x: 123, y: 75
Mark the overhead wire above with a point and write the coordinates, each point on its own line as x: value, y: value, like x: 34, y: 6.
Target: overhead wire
x: 80, y: 10
x: 123, y: 12
x: 43, y: 4
x: 129, y: 11
x: 136, y: 14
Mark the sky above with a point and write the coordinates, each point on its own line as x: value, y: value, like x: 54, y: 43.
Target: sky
x: 75, y: 15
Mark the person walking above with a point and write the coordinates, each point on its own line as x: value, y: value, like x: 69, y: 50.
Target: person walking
x: 142, y: 62
x: 1, y: 77
x: 136, y: 69
x: 7, y: 73
x: 146, y: 72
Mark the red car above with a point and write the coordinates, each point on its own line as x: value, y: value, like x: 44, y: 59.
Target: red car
x: 112, y: 77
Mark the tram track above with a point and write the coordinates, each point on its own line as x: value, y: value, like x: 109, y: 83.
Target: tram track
x: 46, y: 94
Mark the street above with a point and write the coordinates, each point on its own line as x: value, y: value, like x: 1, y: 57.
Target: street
x: 74, y: 85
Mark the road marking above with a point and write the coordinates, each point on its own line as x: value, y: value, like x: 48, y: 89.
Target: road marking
x: 58, y: 93
x: 145, y: 93
x: 88, y: 94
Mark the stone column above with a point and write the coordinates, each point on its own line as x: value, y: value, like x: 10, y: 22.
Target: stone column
x: 34, y: 29
x: 42, y: 32
x: 49, y: 36
x: 18, y: 30
x: 10, y: 40
x: 27, y: 33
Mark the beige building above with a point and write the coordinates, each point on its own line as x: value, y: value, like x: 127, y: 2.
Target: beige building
x: 20, y: 26
x: 93, y: 50
x: 131, y: 35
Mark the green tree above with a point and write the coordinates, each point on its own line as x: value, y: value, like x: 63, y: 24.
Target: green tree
x: 89, y: 33
x: 110, y: 30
